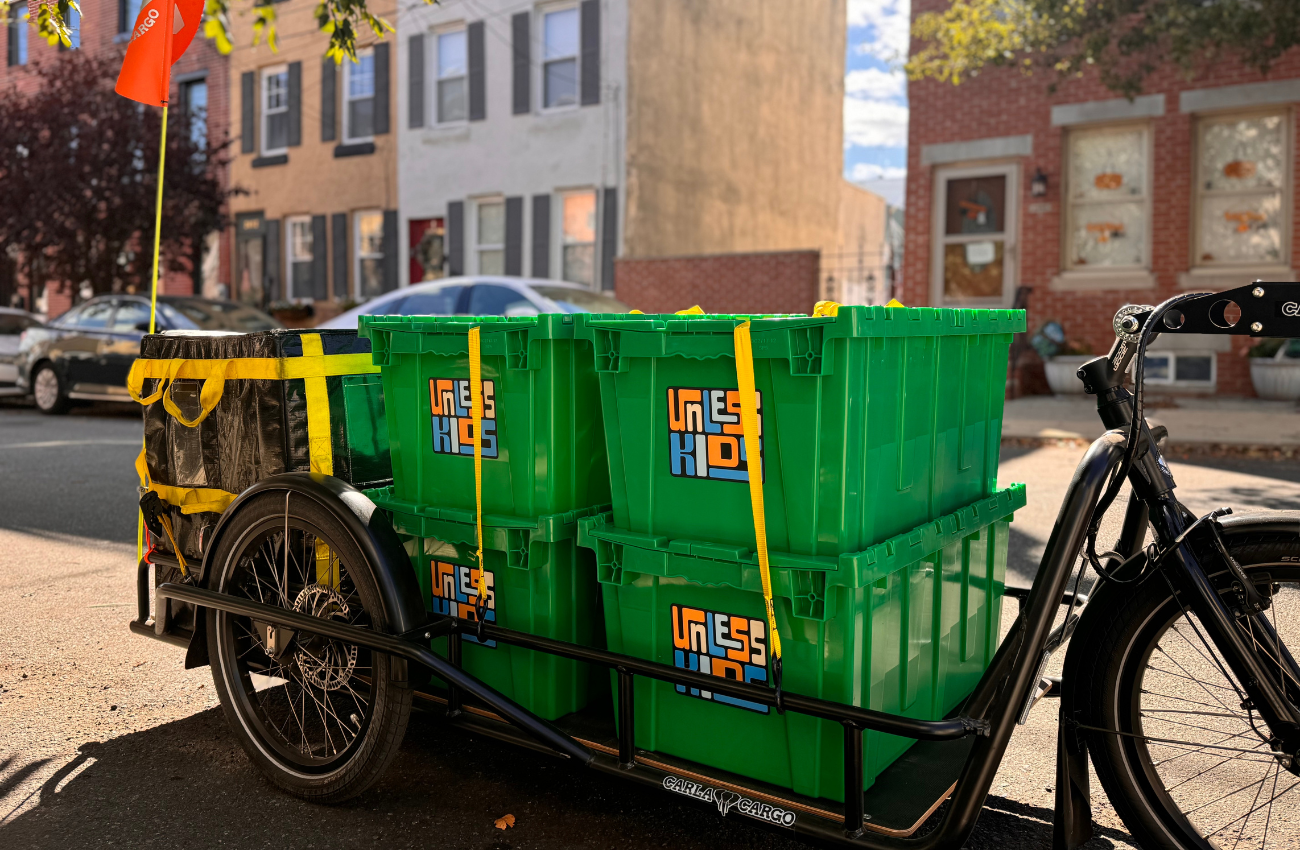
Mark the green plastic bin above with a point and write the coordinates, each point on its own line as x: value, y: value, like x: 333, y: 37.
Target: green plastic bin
x: 873, y: 421
x: 907, y: 626
x: 539, y: 581
x: 544, y: 452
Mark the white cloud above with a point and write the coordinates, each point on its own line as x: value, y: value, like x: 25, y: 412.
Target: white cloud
x: 864, y: 172
x: 890, y: 25
x: 874, y: 123
x: 875, y: 84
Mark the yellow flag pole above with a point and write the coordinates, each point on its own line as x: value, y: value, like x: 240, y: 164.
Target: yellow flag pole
x: 153, y: 294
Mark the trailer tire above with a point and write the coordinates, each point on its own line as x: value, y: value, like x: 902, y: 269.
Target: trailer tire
x: 320, y: 718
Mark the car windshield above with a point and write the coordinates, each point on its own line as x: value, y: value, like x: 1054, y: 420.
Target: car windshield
x: 190, y: 313
x: 581, y: 300
x: 15, y: 323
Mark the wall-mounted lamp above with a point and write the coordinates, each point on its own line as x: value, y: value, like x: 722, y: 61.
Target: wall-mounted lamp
x: 1038, y: 185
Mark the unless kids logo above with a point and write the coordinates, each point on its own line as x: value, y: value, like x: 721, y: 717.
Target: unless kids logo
x: 455, y: 590
x: 724, y: 645
x: 453, y: 417
x: 705, y: 434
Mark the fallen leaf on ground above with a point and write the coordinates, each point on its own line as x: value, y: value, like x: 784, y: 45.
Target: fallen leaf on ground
x: 505, y: 822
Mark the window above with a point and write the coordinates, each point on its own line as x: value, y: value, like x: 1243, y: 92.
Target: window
x: 452, y: 89
x: 369, y: 227
x: 17, y: 38
x: 578, y: 238
x: 93, y: 316
x: 1182, y: 368
x: 975, y: 227
x: 497, y: 300
x: 560, y: 58
x: 440, y: 302
x: 490, y: 237
x: 131, y: 317
x: 1241, y: 186
x: 194, y: 100
x: 1107, y: 190
x: 299, y: 251
x: 129, y: 10
x: 275, y: 110
x: 359, y: 97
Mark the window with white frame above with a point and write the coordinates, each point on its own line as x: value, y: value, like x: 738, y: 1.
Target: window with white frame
x: 578, y: 237
x: 975, y: 227
x: 1180, y: 368
x: 490, y: 237
x: 369, y: 228
x: 300, y: 254
x: 1242, y: 190
x: 17, y: 38
x: 359, y: 97
x: 1108, y: 199
x: 275, y: 110
x: 452, y: 89
x: 560, y: 41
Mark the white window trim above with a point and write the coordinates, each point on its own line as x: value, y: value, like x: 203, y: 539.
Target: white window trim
x: 348, y: 66
x: 356, y: 250
x: 490, y: 246
x: 557, y: 249
x: 261, y: 101
x: 1131, y: 277
x: 1173, y: 382
x: 432, y: 95
x: 289, y: 222
x: 1288, y: 193
x: 542, y: 61
x: 1010, y: 233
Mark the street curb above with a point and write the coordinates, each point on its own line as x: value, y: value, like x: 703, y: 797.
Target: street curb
x: 1175, y: 450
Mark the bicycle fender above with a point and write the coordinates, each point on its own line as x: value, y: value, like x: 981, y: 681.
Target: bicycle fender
x: 399, y: 593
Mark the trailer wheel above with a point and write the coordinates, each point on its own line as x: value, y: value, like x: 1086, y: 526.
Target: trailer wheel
x: 320, y: 718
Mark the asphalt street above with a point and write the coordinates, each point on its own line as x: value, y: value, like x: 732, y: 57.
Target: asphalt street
x: 106, y: 741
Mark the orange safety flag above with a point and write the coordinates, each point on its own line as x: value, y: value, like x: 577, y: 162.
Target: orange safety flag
x: 162, y: 33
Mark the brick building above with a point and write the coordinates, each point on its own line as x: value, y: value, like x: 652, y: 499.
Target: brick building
x: 199, y: 88
x: 1096, y: 201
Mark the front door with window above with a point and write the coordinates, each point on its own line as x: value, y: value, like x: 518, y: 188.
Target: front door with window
x: 250, y: 267
x: 974, y: 237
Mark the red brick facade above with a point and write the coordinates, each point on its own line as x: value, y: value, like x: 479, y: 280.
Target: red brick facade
x: 775, y: 282
x: 1003, y: 103
x: 99, y: 34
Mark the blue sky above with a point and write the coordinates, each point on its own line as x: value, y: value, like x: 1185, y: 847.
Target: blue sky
x: 875, y: 96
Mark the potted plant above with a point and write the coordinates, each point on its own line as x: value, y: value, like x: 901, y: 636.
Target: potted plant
x: 1275, y: 368
x: 1062, y: 358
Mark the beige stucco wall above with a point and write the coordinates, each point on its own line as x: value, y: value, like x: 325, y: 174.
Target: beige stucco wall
x: 734, y: 125
x: 313, y: 182
x: 853, y: 265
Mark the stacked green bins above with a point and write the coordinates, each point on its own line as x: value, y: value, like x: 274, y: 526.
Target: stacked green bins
x: 544, y: 468
x: 880, y: 430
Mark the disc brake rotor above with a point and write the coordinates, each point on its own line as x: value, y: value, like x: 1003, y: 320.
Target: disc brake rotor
x: 326, y: 664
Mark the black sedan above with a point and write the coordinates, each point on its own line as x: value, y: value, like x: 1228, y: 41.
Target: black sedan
x: 85, y: 354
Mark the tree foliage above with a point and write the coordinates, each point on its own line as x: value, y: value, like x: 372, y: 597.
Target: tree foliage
x: 1124, y: 40
x: 90, y: 158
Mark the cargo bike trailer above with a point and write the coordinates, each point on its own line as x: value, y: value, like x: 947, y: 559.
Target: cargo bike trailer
x: 1229, y: 570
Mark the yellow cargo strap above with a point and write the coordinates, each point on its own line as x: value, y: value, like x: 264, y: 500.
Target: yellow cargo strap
x: 826, y: 308
x: 754, y: 467
x: 476, y: 400
x: 894, y: 302
x: 691, y: 311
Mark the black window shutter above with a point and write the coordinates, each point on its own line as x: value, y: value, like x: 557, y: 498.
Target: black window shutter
x: 329, y: 75
x: 295, y: 104
x: 247, y: 112
x: 608, y: 237
x: 390, y: 250
x: 590, y: 22
x: 541, y: 235
x: 340, y: 251
x: 523, y: 82
x: 415, y: 81
x: 274, y: 291
x: 381, y: 88
x: 12, y: 40
x: 456, y: 238
x: 515, y: 236
x: 320, y: 284
x: 477, y: 73
x: 122, y: 23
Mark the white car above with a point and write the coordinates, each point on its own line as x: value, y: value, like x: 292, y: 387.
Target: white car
x: 12, y: 325
x: 482, y: 296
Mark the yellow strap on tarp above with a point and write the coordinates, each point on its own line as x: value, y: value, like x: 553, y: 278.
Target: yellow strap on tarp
x: 754, y: 467
x: 476, y: 402
x: 318, y: 411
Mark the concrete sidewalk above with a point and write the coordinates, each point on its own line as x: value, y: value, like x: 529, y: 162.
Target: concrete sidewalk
x: 1194, y: 423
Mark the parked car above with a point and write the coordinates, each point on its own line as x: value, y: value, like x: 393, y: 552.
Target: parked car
x: 12, y: 325
x: 85, y: 354
x: 482, y: 296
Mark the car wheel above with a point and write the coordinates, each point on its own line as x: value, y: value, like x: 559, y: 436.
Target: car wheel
x: 47, y: 390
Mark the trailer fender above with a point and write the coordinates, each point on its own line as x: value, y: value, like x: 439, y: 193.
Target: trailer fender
x: 370, y: 529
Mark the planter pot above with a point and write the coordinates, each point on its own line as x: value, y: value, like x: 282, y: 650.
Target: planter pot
x: 1276, y: 379
x: 1061, y: 375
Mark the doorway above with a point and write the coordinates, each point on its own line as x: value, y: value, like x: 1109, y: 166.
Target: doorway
x: 974, y: 236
